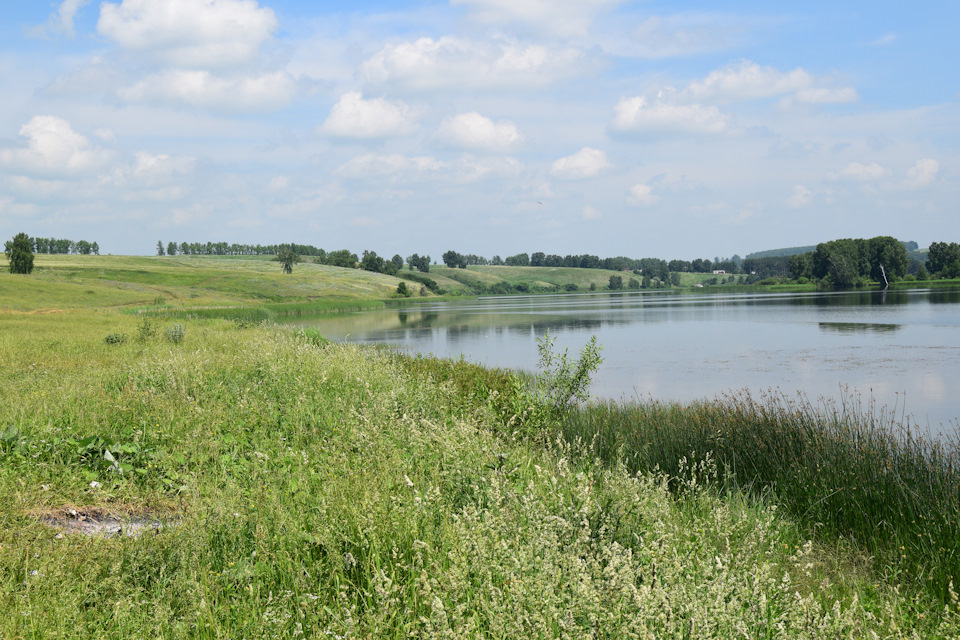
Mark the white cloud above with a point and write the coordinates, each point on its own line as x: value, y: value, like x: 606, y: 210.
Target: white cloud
x: 685, y: 34
x: 590, y: 213
x: 749, y: 81
x: 636, y: 115
x: 559, y: 17
x: 153, y: 169
x: 470, y: 168
x: 354, y: 117
x: 585, y: 163
x: 203, y: 89
x: 800, y: 197
x: 857, y: 172
x: 474, y: 131
x: 428, y: 64
x: 923, y: 173
x: 371, y: 165
x: 53, y: 149
x: 189, y: 33
x: 641, y: 195
x: 61, y: 22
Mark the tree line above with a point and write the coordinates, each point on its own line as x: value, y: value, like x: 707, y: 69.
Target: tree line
x: 839, y: 263
x: 57, y: 246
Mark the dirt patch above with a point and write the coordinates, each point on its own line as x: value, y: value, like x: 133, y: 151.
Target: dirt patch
x: 98, y: 521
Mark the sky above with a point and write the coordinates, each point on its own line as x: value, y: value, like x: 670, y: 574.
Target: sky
x: 639, y: 128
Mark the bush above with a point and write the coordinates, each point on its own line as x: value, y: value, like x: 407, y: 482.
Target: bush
x: 146, y: 330
x: 115, y: 338
x: 176, y: 333
x: 562, y: 383
x: 404, y: 290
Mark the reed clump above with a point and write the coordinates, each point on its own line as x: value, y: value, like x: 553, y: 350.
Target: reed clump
x: 843, y: 468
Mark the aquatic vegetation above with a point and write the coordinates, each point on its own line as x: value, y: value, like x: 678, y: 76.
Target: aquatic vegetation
x: 845, y: 469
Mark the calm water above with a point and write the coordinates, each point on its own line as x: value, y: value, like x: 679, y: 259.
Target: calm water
x: 899, y: 349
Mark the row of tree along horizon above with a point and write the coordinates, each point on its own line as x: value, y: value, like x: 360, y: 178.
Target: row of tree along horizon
x: 841, y: 263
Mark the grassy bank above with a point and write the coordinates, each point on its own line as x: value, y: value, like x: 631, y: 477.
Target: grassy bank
x: 329, y: 490
x: 843, y: 470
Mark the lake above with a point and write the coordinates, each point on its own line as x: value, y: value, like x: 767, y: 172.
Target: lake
x: 897, y: 349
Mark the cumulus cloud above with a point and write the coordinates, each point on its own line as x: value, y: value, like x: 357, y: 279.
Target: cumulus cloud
x: 923, y: 173
x: 53, y: 148
x: 206, y: 90
x: 61, y: 21
x: 470, y: 168
x: 637, y: 115
x: 150, y: 170
x: 559, y: 17
x: 189, y: 33
x: 474, y: 131
x: 747, y: 80
x: 372, y: 165
x: 800, y: 197
x: 641, y: 195
x: 857, y: 172
x: 429, y: 64
x: 354, y: 117
x: 585, y: 163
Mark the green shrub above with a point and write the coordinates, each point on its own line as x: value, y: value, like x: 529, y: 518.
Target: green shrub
x: 115, y: 338
x: 146, y: 330
x: 176, y: 333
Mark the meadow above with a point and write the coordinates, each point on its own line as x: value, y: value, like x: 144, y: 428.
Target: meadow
x: 304, y: 488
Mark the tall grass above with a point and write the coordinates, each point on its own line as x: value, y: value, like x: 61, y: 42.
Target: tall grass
x: 845, y: 469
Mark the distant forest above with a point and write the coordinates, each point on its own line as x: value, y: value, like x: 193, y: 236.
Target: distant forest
x: 838, y: 263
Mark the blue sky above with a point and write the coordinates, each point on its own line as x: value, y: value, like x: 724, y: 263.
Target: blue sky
x: 672, y: 130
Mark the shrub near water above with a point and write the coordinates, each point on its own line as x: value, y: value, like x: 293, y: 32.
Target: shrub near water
x: 326, y: 490
x: 843, y: 469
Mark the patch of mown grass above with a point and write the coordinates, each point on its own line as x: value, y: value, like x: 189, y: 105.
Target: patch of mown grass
x: 843, y: 470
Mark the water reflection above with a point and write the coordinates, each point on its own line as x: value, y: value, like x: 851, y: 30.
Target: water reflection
x: 859, y: 327
x: 895, y: 345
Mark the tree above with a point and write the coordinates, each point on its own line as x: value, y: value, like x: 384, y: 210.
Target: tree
x: 20, y: 254
x: 538, y: 259
x: 889, y: 252
x: 287, y: 258
x: 397, y: 261
x: 371, y: 262
x: 160, y: 250
x: 453, y: 259
x: 95, y: 248
x: 519, y: 260
x: 616, y: 282
x: 171, y: 248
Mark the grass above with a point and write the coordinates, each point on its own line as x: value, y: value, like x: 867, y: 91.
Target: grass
x: 188, y: 283
x: 533, y: 276
x: 325, y: 490
x: 842, y: 469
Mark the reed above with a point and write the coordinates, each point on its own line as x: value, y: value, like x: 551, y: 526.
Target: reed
x: 845, y: 469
